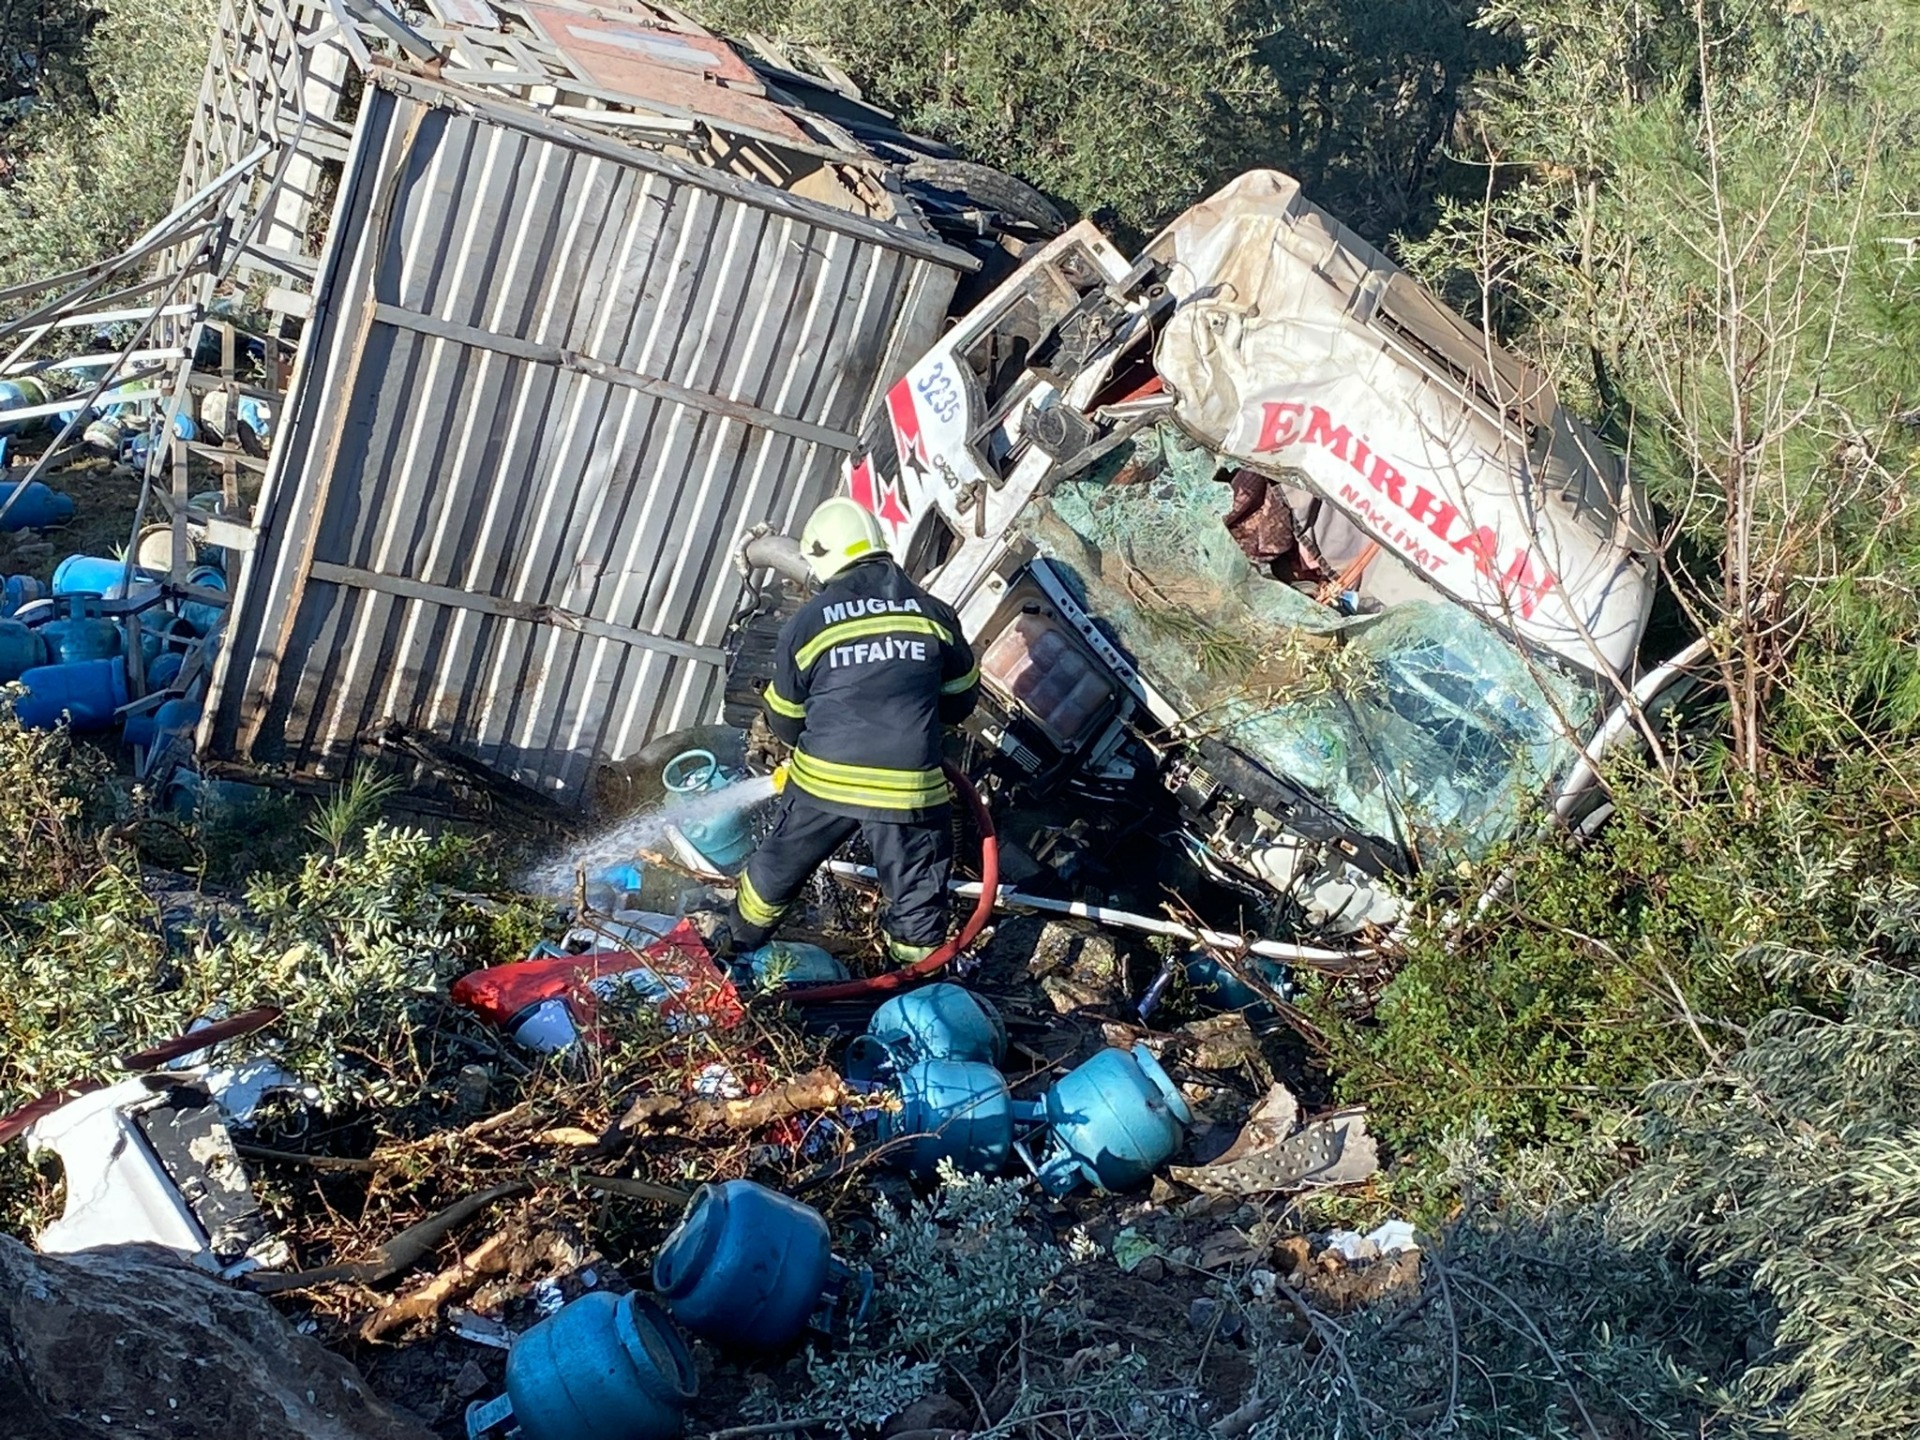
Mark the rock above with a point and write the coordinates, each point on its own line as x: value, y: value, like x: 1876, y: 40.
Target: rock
x: 1202, y: 1314
x: 1292, y: 1253
x: 129, y: 1342
x: 470, y: 1381
x: 1152, y: 1269
x: 936, y: 1413
x: 1220, y: 1042
x: 1223, y: 1248
x: 1067, y: 995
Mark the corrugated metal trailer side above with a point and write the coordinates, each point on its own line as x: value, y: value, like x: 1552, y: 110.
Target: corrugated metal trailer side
x: 548, y: 379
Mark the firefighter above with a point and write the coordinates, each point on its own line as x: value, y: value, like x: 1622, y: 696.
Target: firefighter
x: 866, y: 674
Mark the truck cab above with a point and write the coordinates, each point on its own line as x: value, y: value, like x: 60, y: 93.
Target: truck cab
x: 1257, y: 540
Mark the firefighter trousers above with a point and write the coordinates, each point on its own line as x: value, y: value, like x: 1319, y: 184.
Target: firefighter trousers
x: 913, y: 859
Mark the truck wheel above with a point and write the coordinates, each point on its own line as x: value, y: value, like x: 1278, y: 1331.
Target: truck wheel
x: 980, y: 186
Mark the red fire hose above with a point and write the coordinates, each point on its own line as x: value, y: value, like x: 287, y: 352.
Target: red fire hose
x: 920, y: 970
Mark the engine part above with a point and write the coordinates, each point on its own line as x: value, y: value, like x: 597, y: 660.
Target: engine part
x: 1055, y: 683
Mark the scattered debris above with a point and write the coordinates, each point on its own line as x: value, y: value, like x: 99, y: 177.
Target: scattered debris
x: 1275, y: 1153
x: 550, y: 1002
x: 818, y: 1090
x: 514, y: 1251
x: 154, y: 1166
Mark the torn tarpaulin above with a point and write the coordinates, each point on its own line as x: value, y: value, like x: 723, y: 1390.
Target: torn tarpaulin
x: 1274, y: 1152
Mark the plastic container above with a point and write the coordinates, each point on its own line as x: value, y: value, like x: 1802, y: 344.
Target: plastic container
x: 605, y: 1368
x: 36, y: 508
x: 21, y: 650
x: 96, y: 575
x: 84, y: 692
x: 1111, y: 1122
x: 938, y: 1022
x: 746, y: 1267
x: 721, y: 835
x: 955, y: 1110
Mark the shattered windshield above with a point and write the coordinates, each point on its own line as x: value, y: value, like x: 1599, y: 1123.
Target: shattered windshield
x: 1419, y: 723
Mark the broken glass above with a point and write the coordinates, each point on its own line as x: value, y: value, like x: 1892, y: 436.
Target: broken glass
x: 1422, y: 725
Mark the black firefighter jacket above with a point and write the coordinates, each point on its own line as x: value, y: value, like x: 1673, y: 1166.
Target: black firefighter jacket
x: 868, y: 672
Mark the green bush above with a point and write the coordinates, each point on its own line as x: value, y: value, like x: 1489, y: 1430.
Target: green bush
x: 1794, y: 1166
x: 1606, y: 966
x: 95, y: 169
x: 356, y: 943
x: 1132, y: 112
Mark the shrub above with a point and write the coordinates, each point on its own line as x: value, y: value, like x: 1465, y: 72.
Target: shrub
x: 1616, y: 963
x: 1132, y: 112
x: 94, y: 170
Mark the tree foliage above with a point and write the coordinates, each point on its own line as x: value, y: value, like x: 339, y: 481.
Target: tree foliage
x: 1132, y: 112
x: 93, y: 167
x: 1698, y: 217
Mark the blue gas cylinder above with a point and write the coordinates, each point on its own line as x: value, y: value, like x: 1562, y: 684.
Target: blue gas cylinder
x: 165, y: 669
x: 955, y: 1110
x: 256, y: 415
x: 19, y: 590
x: 201, y: 616
x: 18, y: 395
x: 35, y: 507
x: 719, y: 833
x: 745, y: 1267
x: 171, y: 720
x: 937, y: 1022
x: 1213, y: 984
x: 194, y: 796
x: 21, y: 649
x: 1111, y: 1122
x: 81, y: 634
x: 612, y: 1369
x: 83, y: 692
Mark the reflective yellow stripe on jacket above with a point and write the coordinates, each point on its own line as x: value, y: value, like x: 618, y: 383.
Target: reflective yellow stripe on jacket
x: 960, y: 684
x: 868, y: 625
x: 753, y: 909
x: 780, y: 705
x: 864, y: 786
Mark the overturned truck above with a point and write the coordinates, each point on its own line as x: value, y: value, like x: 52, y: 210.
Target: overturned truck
x: 1264, y: 551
